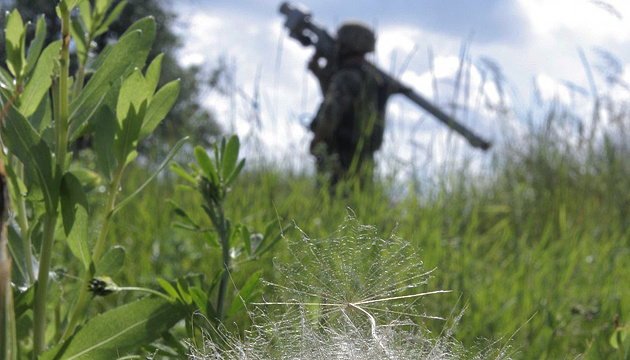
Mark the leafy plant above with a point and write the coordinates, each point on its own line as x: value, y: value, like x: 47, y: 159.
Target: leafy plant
x: 213, y: 179
x: 118, y: 105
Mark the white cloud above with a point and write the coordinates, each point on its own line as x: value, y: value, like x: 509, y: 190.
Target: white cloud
x: 583, y: 18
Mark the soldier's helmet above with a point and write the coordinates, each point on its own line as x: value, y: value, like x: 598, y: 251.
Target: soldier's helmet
x: 355, y: 37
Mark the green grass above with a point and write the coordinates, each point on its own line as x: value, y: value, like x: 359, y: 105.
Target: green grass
x: 537, y: 250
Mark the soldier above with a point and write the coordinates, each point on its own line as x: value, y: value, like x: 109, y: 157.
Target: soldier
x: 349, y: 124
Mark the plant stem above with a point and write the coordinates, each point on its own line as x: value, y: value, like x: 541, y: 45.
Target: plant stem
x: 64, y: 62
x: 79, y: 307
x: 41, y: 290
x: 225, y: 247
x: 22, y: 221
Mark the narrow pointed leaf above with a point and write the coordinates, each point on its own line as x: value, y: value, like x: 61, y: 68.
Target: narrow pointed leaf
x: 23, y: 141
x: 36, y: 45
x: 74, y: 210
x: 168, y: 158
x: 110, y: 18
x: 230, y: 155
x: 206, y: 164
x: 246, y: 294
x: 119, y: 331
x: 235, y: 173
x: 130, y: 52
x: 152, y: 74
x: 170, y: 290
x: 14, y: 42
x: 86, y: 14
x: 78, y: 34
x: 104, y: 135
x: 160, y: 105
x: 40, y: 81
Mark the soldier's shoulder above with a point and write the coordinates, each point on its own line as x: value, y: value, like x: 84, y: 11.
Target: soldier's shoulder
x: 348, y: 76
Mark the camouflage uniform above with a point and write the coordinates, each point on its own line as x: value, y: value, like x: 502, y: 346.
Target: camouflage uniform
x: 349, y: 124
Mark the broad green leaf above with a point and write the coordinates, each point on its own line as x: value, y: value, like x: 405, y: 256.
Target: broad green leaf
x: 74, y: 210
x: 159, y: 107
x: 42, y: 117
x: 39, y: 83
x: 15, y: 37
x: 119, y: 331
x: 133, y: 92
x: 104, y: 135
x: 110, y: 18
x: 206, y: 164
x: 130, y: 52
x: 246, y: 294
x: 168, y: 158
x: 78, y: 34
x: 24, y: 142
x: 111, y: 263
x: 86, y: 15
x: 230, y: 155
x: 36, y: 45
x: 127, y: 132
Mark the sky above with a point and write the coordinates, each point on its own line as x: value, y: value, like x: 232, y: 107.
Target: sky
x: 517, y: 53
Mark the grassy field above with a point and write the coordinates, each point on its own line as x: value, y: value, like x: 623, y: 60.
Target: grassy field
x: 535, y: 249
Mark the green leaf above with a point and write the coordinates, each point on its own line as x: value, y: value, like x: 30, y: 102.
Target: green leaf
x: 130, y: 52
x: 201, y: 300
x: 230, y: 155
x: 206, y: 164
x: 119, y: 331
x: 104, y: 135
x: 133, y: 92
x: 270, y: 238
x: 168, y: 158
x: 170, y: 290
x: 246, y: 238
x: 110, y: 18
x: 74, y: 210
x: 159, y: 107
x: 78, y: 34
x: 23, y: 141
x: 68, y: 5
x: 36, y: 45
x: 235, y: 173
x: 86, y: 15
x: 111, y: 263
x: 24, y: 301
x: 211, y: 239
x: 182, y: 287
x: 127, y: 132
x: 15, y: 42
x: 152, y: 74
x: 101, y: 6
x: 41, y: 80
x: 177, y: 169
x: 182, y: 214
x: 246, y: 294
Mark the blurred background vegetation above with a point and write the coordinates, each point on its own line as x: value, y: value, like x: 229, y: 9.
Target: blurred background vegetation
x: 536, y: 247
